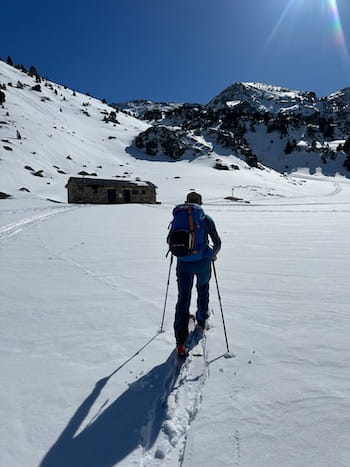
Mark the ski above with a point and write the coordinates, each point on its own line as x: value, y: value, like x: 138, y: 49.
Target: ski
x: 196, y: 332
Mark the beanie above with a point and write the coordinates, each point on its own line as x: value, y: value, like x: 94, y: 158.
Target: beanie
x: 194, y: 197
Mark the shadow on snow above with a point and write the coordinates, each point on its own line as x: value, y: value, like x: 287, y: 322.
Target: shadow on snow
x: 134, y: 419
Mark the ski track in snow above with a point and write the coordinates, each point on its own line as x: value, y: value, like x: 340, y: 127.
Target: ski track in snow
x: 337, y: 189
x: 182, y: 405
x: 9, y: 230
x: 300, y: 200
x: 236, y: 446
x: 83, y: 269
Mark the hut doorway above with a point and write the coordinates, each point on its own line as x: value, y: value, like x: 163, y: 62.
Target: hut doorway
x: 127, y: 196
x: 112, y: 196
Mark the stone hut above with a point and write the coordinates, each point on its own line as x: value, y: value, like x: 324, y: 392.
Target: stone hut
x: 102, y: 191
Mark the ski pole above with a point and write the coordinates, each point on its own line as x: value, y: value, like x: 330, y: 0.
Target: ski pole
x: 222, y: 312
x: 166, y: 293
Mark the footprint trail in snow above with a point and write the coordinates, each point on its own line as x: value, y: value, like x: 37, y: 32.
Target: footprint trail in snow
x: 181, y: 404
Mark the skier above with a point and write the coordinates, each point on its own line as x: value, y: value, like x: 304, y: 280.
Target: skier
x: 185, y: 272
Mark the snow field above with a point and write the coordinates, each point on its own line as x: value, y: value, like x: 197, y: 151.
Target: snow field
x: 89, y: 381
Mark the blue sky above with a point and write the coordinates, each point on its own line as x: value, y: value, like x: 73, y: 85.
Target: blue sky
x: 184, y: 50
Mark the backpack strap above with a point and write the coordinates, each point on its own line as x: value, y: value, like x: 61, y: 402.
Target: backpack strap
x: 191, y: 225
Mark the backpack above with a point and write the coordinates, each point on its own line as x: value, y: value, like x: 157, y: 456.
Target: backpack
x: 187, y: 237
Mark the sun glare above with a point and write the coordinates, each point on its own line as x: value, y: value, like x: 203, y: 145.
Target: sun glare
x: 332, y: 18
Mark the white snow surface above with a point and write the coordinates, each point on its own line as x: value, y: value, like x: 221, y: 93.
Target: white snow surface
x: 87, y: 378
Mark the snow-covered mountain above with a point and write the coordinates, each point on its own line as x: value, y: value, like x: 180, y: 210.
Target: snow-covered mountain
x: 281, y: 128
x: 49, y: 132
x: 264, y: 98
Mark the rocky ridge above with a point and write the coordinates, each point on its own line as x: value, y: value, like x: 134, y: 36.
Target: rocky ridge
x: 260, y: 123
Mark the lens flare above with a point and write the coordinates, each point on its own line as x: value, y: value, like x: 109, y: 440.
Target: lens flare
x: 279, y: 23
x: 338, y: 33
x: 337, y: 28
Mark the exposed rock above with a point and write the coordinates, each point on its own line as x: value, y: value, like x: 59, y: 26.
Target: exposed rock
x: 37, y: 88
x: 38, y: 173
x: 171, y: 142
x: 221, y: 165
x: 112, y: 117
x: 252, y: 160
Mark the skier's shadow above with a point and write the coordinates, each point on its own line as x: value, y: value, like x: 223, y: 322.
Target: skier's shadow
x: 132, y: 420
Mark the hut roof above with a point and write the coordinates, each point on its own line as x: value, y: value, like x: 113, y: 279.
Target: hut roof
x: 109, y: 182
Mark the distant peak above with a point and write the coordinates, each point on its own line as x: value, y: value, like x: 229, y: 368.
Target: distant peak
x: 261, y: 96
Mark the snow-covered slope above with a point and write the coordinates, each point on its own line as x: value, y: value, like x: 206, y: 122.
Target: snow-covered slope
x: 56, y: 133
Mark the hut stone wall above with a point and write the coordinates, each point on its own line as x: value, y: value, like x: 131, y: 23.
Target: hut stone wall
x: 101, y: 191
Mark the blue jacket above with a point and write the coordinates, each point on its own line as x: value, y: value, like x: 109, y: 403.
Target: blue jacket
x: 211, y: 232
x: 214, y: 236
